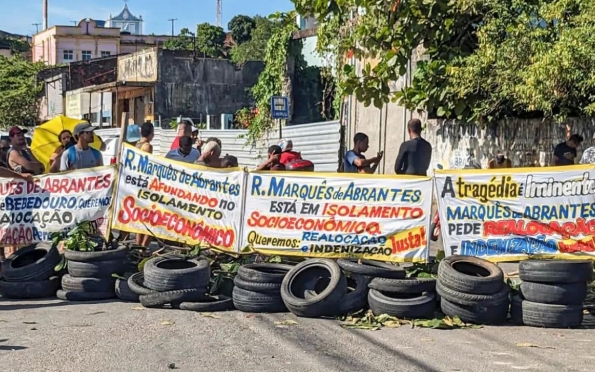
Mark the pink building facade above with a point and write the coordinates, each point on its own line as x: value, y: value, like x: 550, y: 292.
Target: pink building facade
x: 65, y: 44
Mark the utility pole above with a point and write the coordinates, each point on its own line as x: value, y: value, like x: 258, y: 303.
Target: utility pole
x: 219, y: 12
x: 36, y: 27
x: 74, y: 22
x: 173, y: 21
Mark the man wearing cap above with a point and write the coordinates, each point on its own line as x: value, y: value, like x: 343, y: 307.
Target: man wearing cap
x: 287, y: 154
x: 81, y: 156
x: 20, y: 159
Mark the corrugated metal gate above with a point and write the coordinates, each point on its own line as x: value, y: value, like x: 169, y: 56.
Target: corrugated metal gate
x: 318, y: 142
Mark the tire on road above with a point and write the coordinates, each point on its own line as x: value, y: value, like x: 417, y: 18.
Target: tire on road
x: 371, y: 268
x: 555, y: 271
x: 296, y: 283
x: 257, y: 302
x: 123, y: 291
x: 480, y: 313
x: 77, y: 284
x: 470, y: 275
x: 407, y: 285
x: 95, y: 269
x: 33, y: 263
x: 165, y: 274
x: 136, y: 282
x: 159, y: 299
x: 545, y: 315
x: 30, y: 290
x: 264, y: 273
x: 209, y: 304
x: 120, y: 253
x: 467, y: 299
x: 84, y: 296
x: 410, y: 306
x: 555, y: 294
x: 355, y: 299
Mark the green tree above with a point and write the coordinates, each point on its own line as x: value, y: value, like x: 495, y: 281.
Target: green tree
x: 255, y: 48
x: 184, y: 41
x: 241, y: 27
x: 18, y: 101
x: 210, y: 40
x: 486, y: 59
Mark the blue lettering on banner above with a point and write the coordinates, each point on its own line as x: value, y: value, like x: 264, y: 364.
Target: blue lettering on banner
x: 15, y: 203
x: 510, y: 246
x: 343, y: 238
x: 498, y: 211
x: 279, y: 187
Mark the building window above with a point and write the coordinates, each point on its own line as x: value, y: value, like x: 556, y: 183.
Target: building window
x: 68, y: 55
x: 86, y: 55
x: 105, y: 54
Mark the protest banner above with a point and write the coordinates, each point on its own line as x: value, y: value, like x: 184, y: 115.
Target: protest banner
x: 514, y: 214
x: 30, y: 212
x: 178, y: 201
x: 329, y: 215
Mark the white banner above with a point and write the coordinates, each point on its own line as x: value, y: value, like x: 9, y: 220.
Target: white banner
x: 178, y: 201
x: 512, y: 214
x: 30, y: 212
x: 328, y: 215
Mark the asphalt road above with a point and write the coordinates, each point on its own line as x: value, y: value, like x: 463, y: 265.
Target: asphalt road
x: 51, y: 335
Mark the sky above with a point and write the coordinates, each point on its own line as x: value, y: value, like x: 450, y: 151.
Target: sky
x: 20, y: 17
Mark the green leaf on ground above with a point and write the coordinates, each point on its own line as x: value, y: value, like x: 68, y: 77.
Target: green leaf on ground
x: 444, y: 323
x: 368, y: 321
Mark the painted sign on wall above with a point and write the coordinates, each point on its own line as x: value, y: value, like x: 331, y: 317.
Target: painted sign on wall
x: 138, y: 67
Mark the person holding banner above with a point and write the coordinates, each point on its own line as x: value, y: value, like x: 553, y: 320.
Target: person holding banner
x: 210, y: 155
x: 81, y: 155
x: 147, y: 132
x: 19, y: 158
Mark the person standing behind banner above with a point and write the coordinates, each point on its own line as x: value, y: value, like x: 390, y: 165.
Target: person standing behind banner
x: 4, y: 148
x: 66, y: 140
x: 565, y: 152
x: 81, y: 156
x: 147, y: 132
x: 184, y: 130
x: 20, y: 159
x: 355, y: 161
x: 185, y: 153
x: 272, y: 163
x: 500, y: 161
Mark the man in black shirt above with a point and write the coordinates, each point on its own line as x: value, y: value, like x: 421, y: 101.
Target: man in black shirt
x: 415, y: 154
x: 565, y: 152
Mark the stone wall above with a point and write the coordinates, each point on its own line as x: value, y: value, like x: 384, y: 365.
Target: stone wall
x: 196, y: 87
x: 454, y: 145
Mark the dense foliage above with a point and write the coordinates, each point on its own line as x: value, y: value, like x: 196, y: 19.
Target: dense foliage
x: 484, y: 59
x: 255, y: 48
x: 184, y: 41
x: 210, y: 40
x: 241, y: 27
x: 18, y: 101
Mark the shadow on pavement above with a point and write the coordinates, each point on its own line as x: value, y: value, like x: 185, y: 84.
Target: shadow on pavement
x: 8, y: 305
x: 10, y: 348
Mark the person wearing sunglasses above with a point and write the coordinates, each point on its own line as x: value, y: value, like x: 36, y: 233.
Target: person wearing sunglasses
x: 66, y: 140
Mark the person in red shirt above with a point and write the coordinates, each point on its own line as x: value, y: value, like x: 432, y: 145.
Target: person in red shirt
x: 184, y: 130
x: 287, y: 154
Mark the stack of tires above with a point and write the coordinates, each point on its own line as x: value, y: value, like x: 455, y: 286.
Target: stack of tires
x: 29, y: 272
x: 90, y: 274
x: 552, y: 293
x: 178, y: 282
x: 257, y: 288
x: 472, y: 289
x: 390, y: 292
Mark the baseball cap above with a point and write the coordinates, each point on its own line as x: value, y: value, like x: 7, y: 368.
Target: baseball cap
x: 16, y: 130
x: 133, y: 133
x: 82, y: 127
x: 285, y: 144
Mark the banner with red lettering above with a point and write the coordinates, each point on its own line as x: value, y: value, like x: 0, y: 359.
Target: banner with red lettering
x: 384, y: 218
x: 178, y: 201
x: 514, y: 214
x: 30, y: 212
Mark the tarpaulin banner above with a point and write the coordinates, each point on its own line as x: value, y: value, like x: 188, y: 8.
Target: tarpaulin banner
x: 178, y: 201
x: 30, y: 212
x: 512, y: 214
x: 329, y: 215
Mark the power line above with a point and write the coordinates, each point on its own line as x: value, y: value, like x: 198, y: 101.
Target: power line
x: 173, y: 21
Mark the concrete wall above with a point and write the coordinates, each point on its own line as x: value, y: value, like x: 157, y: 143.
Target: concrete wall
x: 196, y: 87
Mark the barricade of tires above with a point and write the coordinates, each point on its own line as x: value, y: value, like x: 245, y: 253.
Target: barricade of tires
x: 178, y: 282
x: 90, y: 274
x: 29, y: 272
x: 472, y: 289
x: 257, y: 288
x: 552, y: 293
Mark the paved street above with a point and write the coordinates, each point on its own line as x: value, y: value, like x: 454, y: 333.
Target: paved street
x: 51, y: 335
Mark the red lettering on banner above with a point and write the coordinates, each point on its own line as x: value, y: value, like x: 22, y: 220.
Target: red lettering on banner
x: 198, y: 231
x: 66, y: 185
x: 312, y: 224
x: 577, y: 246
x: 531, y: 228
x: 11, y: 188
x: 387, y: 212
